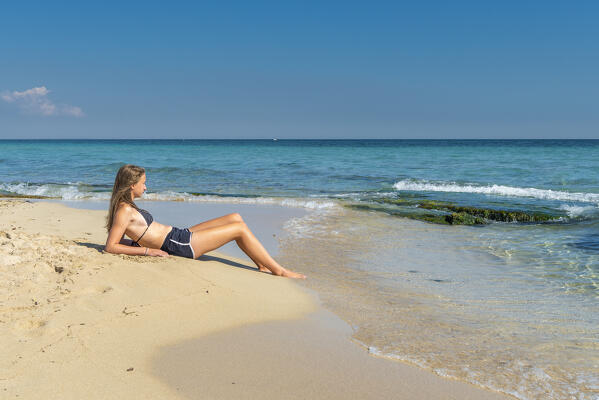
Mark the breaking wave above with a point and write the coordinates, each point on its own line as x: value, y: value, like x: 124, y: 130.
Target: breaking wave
x: 497, y: 190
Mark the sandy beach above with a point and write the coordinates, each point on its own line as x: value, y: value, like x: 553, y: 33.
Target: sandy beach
x: 76, y: 322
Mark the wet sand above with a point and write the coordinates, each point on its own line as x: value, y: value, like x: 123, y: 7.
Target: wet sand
x: 307, y: 358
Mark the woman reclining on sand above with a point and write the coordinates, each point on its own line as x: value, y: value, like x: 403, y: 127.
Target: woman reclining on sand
x: 155, y: 239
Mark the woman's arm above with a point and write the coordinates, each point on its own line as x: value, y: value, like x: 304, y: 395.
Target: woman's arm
x: 115, y: 236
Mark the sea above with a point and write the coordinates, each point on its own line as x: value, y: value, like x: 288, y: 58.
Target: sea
x: 475, y: 259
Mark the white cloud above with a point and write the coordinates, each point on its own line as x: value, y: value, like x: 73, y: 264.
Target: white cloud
x: 36, y: 101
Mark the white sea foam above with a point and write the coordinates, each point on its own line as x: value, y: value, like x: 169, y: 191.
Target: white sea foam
x: 60, y: 191
x: 312, y: 224
x: 579, y: 211
x: 75, y: 192
x: 498, y: 190
x: 394, y: 356
x: 281, y: 201
x: 540, y: 377
x: 287, y: 202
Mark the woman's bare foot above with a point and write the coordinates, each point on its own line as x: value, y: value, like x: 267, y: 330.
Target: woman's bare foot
x: 291, y: 274
x: 281, y: 272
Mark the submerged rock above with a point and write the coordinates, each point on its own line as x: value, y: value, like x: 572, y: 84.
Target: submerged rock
x: 462, y: 218
x: 451, y: 214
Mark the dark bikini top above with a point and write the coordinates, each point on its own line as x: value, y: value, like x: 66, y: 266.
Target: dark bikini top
x: 149, y: 219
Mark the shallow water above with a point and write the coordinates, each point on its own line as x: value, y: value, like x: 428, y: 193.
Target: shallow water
x: 466, y: 302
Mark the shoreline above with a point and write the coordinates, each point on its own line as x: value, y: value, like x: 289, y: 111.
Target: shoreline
x: 122, y: 312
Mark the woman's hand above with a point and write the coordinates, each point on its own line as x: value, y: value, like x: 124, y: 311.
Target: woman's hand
x: 156, y: 253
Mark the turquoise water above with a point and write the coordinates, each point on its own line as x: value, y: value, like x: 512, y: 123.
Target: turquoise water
x: 550, y: 173
x: 507, y: 305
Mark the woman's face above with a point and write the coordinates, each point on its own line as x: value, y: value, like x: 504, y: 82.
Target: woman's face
x: 140, y: 187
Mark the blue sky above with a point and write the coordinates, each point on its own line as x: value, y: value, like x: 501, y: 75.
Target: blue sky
x: 429, y: 69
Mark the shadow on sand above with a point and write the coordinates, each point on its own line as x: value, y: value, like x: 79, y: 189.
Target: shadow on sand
x: 95, y: 246
x: 225, y: 261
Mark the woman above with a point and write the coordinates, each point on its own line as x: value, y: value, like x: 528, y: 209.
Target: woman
x: 155, y: 239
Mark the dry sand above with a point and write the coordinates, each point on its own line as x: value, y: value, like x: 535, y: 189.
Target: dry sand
x: 77, y: 323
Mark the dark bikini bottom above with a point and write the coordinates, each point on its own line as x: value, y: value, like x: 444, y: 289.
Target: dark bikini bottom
x: 178, y: 243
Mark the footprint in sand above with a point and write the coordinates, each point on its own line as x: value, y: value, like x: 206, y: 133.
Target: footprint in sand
x: 95, y: 289
x: 33, y: 325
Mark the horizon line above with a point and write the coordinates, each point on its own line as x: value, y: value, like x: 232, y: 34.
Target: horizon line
x: 286, y: 139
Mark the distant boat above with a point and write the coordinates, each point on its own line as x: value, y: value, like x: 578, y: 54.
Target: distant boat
x: 274, y: 140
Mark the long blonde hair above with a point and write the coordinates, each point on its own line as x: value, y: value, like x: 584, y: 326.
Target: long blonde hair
x: 127, y: 176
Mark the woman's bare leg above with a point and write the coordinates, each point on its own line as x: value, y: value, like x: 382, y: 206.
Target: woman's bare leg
x: 209, y: 239
x: 224, y: 220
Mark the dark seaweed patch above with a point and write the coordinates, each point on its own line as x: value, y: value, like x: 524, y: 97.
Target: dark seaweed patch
x: 24, y: 196
x: 440, y: 212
